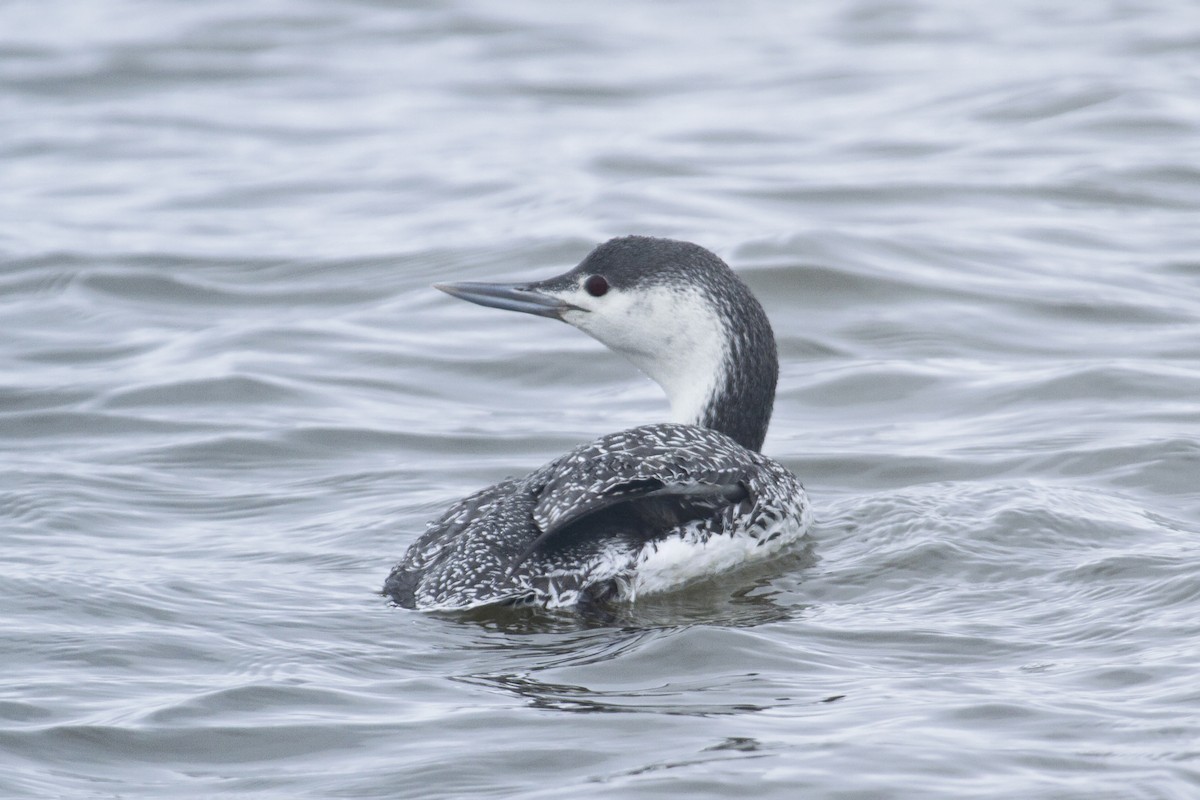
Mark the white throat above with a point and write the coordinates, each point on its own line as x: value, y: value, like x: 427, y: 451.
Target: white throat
x: 672, y: 334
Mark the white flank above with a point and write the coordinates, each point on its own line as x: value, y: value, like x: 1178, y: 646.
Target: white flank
x: 670, y: 563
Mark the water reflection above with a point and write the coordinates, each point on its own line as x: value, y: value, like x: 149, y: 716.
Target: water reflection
x: 668, y: 700
x: 615, y: 662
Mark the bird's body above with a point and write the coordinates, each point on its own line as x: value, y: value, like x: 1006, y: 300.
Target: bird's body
x: 610, y: 534
x: 641, y: 510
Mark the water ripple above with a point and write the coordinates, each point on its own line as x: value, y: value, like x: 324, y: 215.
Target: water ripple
x: 229, y: 397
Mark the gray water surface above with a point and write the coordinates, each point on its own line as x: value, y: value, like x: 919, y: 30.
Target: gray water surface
x: 229, y: 399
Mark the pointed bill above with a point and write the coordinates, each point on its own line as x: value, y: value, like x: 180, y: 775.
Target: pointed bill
x: 509, y: 296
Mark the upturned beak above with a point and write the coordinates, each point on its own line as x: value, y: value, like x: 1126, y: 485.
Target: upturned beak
x: 509, y: 296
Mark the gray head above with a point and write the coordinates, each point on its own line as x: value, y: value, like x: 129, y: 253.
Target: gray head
x: 678, y: 312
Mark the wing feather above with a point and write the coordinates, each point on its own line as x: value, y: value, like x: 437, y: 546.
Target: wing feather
x: 654, y: 460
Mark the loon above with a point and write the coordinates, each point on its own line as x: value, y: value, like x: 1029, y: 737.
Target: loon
x: 644, y: 510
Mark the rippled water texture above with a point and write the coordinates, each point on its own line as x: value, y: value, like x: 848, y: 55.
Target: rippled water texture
x: 229, y: 398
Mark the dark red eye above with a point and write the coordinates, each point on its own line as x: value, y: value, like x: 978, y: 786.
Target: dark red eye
x: 596, y: 286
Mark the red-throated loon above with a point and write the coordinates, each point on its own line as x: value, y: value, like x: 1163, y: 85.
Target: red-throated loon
x: 649, y: 508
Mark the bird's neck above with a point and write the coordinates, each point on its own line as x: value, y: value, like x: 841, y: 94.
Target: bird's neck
x: 743, y: 391
x: 713, y: 354
x: 729, y: 385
